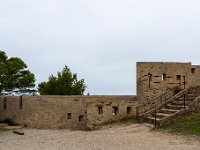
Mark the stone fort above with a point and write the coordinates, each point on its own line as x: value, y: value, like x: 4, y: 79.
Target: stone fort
x: 156, y: 82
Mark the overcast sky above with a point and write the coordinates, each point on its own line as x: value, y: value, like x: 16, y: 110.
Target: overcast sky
x: 100, y: 40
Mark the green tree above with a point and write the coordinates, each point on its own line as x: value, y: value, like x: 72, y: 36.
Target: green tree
x: 65, y: 83
x: 14, y: 75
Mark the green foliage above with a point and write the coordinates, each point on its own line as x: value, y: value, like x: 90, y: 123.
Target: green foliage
x: 2, y: 130
x: 87, y: 129
x: 14, y: 75
x: 10, y: 122
x: 65, y: 83
x: 189, y: 124
x: 176, y: 89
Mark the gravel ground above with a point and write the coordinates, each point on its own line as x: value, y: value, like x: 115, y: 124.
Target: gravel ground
x: 129, y: 137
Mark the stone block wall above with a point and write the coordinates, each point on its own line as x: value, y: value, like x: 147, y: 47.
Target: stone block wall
x: 153, y: 78
x: 78, y: 112
x: 68, y: 112
x: 46, y: 111
x: 110, y: 109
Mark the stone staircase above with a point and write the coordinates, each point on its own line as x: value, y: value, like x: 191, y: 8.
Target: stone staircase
x: 162, y: 113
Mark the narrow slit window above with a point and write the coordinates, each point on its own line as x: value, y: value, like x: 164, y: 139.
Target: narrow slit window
x: 4, y: 103
x: 100, y: 110
x: 178, y: 77
x: 150, y: 76
x: 69, y: 115
x: 164, y: 77
x: 115, y: 110
x: 80, y: 118
x: 20, y: 103
x: 129, y: 110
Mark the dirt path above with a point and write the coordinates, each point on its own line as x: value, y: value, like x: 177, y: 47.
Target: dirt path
x: 131, y: 137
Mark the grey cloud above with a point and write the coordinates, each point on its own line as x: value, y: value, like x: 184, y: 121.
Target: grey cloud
x: 101, y: 40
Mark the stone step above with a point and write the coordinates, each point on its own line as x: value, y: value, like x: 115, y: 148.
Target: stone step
x: 161, y: 115
x: 187, y: 99
x: 168, y: 111
x: 13, y: 127
x: 2, y: 125
x: 180, y: 102
x: 190, y: 94
x: 152, y: 119
x: 167, y: 120
x: 176, y: 107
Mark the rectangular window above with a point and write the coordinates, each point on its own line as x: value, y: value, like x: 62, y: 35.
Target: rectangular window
x: 4, y: 103
x: 80, y: 118
x: 193, y: 70
x: 164, y: 77
x: 129, y: 110
x: 69, y: 115
x: 100, y: 110
x: 178, y: 77
x: 20, y: 103
x: 115, y: 110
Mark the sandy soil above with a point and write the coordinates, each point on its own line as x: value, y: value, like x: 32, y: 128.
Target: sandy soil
x: 129, y: 137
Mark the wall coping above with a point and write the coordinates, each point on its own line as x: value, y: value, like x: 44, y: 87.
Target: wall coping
x: 78, y: 96
x: 165, y: 62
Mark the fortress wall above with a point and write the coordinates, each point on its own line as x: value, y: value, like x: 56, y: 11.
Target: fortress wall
x: 68, y: 112
x: 164, y: 75
x: 110, y: 109
x: 79, y: 112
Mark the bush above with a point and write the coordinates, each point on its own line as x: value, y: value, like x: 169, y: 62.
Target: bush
x: 176, y: 89
x: 10, y: 122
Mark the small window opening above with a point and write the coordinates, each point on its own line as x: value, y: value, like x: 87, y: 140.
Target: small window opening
x: 193, y: 70
x: 164, y: 77
x: 4, y: 103
x: 80, y: 118
x: 20, y: 103
x: 129, y: 110
x: 115, y: 110
x: 150, y: 76
x: 178, y: 77
x: 69, y: 115
x: 100, y: 110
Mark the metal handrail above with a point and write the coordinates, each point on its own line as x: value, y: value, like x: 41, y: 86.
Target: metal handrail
x: 181, y: 93
x: 157, y: 101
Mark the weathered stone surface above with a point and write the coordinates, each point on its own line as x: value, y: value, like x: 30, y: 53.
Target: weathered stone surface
x: 53, y: 111
x: 79, y: 112
x: 153, y: 78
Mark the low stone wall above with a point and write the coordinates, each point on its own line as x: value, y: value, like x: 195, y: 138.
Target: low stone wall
x: 109, y: 109
x: 45, y: 111
x: 72, y: 112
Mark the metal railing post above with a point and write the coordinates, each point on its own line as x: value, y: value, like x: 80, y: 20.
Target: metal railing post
x: 149, y: 82
x: 184, y: 101
x: 137, y: 113
x: 184, y: 89
x: 184, y: 82
x: 155, y: 120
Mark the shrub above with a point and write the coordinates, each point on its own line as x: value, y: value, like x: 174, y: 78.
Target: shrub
x: 9, y: 121
x: 176, y: 89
